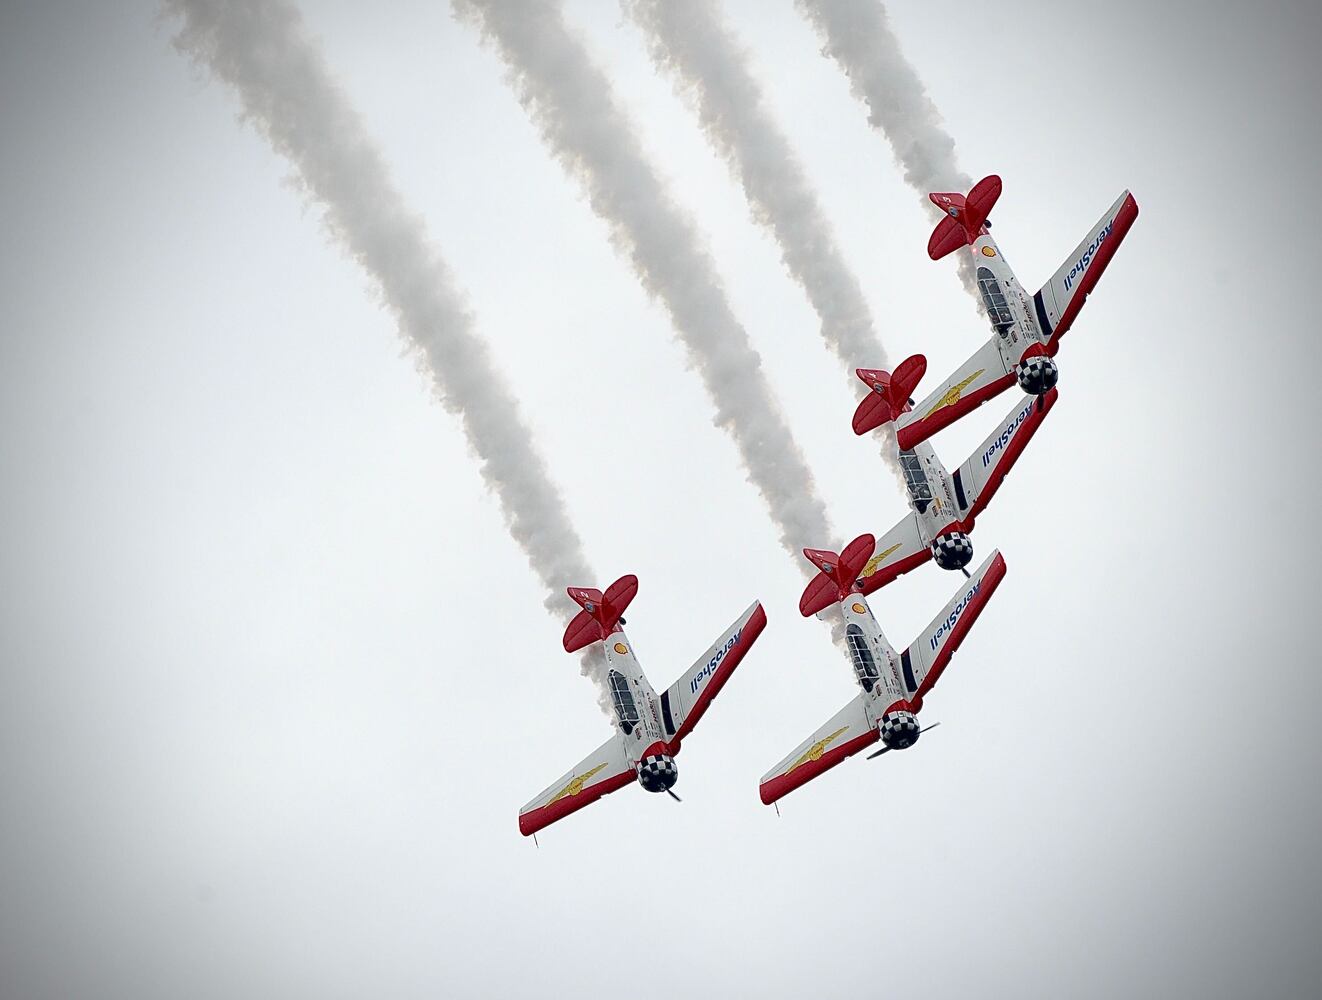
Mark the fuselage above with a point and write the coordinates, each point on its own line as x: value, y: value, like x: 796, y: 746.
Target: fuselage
x: 876, y: 664
x: 931, y: 494
x: 1010, y: 309
x: 637, y: 715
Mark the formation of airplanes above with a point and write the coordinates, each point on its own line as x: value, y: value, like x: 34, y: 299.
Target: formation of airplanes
x: 943, y: 506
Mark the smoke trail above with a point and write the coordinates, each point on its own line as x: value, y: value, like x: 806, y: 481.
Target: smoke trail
x: 569, y: 99
x: 262, y: 50
x: 858, y: 36
x: 688, y: 39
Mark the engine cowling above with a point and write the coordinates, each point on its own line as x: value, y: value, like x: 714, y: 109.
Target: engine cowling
x: 1037, y: 375
x: 953, y: 550
x: 899, y: 730
x: 657, y: 772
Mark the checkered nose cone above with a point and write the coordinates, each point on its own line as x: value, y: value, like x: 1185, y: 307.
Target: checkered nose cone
x: 899, y: 730
x: 1038, y: 375
x: 657, y: 772
x: 953, y: 551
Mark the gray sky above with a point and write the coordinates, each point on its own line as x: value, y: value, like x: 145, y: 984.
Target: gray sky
x: 274, y: 679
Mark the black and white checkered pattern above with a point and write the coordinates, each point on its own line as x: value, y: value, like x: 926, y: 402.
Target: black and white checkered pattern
x: 952, y: 551
x: 657, y: 772
x: 899, y: 730
x: 1038, y: 375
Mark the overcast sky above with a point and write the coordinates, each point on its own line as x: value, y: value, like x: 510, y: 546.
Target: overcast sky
x: 275, y: 680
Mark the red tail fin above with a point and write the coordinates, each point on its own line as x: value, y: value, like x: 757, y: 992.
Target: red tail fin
x: 838, y: 576
x: 964, y: 218
x: 890, y: 393
x: 601, y: 612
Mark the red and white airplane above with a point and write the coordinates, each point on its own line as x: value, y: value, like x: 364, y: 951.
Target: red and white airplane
x: 893, y: 684
x: 648, y: 729
x: 942, y: 507
x: 1026, y: 328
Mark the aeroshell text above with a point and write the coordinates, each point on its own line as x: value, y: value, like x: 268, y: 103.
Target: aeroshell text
x: 1008, y: 433
x: 949, y: 623
x: 710, y: 668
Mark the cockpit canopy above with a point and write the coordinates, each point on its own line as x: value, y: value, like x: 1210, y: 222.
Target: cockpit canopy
x: 622, y: 696
x: 998, y: 310
x: 865, y: 665
x: 915, y: 481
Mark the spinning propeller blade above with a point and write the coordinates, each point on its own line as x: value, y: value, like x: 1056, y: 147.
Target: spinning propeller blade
x: 920, y: 733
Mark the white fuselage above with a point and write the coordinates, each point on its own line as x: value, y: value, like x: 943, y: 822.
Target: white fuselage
x: 1009, y: 307
x: 931, y: 495
x: 634, y: 700
x: 876, y: 664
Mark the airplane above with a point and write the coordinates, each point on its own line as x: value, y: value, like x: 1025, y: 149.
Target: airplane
x: 648, y: 729
x: 1026, y: 329
x: 942, y: 507
x: 894, y: 684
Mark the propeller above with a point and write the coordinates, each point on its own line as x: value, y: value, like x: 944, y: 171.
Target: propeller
x: 920, y: 733
x: 673, y: 795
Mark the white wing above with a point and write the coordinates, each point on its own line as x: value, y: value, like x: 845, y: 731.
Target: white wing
x: 898, y: 551
x: 977, y: 480
x: 844, y: 734
x: 973, y: 383
x: 685, y: 701
x: 1060, y: 299
x: 922, y: 663
x: 603, y: 771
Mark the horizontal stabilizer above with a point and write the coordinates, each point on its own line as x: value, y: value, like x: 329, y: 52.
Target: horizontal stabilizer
x: 964, y: 218
x: 890, y: 392
x: 838, y: 574
x: 601, y: 612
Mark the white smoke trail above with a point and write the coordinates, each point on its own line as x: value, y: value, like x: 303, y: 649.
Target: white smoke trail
x: 689, y: 40
x: 262, y: 50
x: 857, y: 35
x: 570, y: 101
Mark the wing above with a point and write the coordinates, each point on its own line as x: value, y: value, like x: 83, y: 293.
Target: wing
x: 975, y: 381
x: 1060, y: 299
x: 685, y: 701
x: 847, y: 732
x: 898, y: 551
x: 922, y: 663
x: 599, y: 773
x: 977, y: 480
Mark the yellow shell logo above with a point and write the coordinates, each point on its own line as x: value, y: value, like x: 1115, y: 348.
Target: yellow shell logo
x: 575, y: 786
x: 621, y: 648
x: 877, y: 560
x: 989, y: 251
x: 859, y: 609
x: 952, y: 394
x: 815, y: 751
